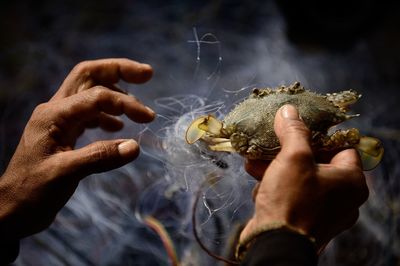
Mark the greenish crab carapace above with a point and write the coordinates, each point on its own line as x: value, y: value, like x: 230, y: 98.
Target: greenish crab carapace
x: 248, y: 129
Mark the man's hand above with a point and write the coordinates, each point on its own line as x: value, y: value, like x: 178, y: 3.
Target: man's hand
x: 46, y: 169
x: 320, y: 199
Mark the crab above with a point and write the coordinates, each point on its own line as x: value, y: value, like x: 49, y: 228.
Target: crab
x: 248, y: 128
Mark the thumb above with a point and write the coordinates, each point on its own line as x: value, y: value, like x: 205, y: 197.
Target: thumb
x: 100, y: 156
x: 292, y: 133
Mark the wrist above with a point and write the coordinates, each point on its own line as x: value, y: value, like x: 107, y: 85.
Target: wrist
x: 7, y: 213
x: 282, y: 214
x: 256, y: 226
x: 252, y: 231
x: 260, y: 221
x: 272, y: 246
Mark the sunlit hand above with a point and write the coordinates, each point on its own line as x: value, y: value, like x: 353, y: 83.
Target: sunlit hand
x: 46, y: 169
x: 320, y: 199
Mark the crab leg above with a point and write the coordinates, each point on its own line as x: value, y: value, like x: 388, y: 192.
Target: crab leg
x: 212, y: 140
x: 341, y: 139
x: 370, y: 149
x: 343, y: 99
x: 223, y: 146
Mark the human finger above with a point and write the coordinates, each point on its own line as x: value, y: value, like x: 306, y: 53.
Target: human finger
x: 87, y: 106
x: 345, y: 171
x: 348, y: 157
x: 256, y: 168
x: 293, y: 134
x: 106, y: 72
x: 346, y: 184
x: 97, y: 157
x: 324, y: 156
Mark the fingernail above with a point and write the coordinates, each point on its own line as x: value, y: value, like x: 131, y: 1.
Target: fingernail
x: 127, y: 147
x: 290, y: 112
x: 150, y: 110
x: 145, y: 65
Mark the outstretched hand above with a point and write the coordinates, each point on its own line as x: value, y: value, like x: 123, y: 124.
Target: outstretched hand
x: 319, y: 199
x: 46, y: 168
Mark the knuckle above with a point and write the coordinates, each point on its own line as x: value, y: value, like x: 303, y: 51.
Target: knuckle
x: 40, y: 109
x: 54, y: 131
x: 99, y: 92
x: 82, y: 67
x: 107, y: 98
x: 57, y: 166
x: 300, y: 154
x: 102, y: 152
x: 40, y: 114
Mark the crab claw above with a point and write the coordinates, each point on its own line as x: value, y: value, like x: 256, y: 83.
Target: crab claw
x: 194, y: 133
x: 199, y: 127
x: 371, y: 152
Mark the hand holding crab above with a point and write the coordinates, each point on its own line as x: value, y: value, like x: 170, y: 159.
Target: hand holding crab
x: 321, y: 200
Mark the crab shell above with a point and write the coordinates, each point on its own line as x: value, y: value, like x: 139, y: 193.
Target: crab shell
x: 248, y: 129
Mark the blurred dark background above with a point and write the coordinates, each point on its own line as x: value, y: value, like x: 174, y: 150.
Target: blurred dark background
x: 327, y: 46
